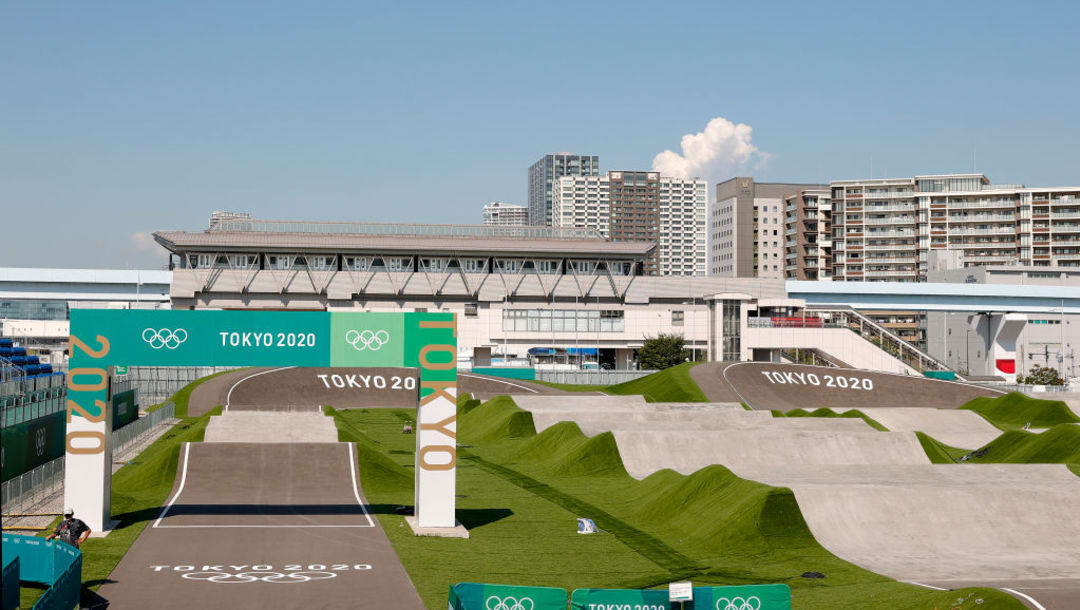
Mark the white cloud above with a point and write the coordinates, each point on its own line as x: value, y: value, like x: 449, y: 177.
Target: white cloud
x: 715, y: 154
x: 143, y: 242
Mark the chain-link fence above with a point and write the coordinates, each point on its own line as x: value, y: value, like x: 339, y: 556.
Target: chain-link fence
x: 157, y: 384
x: 590, y: 377
x: 28, y: 490
x: 124, y: 437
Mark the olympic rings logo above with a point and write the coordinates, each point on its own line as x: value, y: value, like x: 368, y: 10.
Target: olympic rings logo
x: 367, y: 339
x: 508, y: 603
x: 739, y: 603
x: 246, y: 577
x: 169, y: 339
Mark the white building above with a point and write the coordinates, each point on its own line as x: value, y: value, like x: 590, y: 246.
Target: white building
x: 498, y: 213
x: 683, y: 241
x: 582, y: 202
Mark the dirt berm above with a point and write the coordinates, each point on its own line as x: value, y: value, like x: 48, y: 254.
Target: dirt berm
x: 765, y: 385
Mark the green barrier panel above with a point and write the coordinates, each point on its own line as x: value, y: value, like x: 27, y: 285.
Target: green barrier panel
x: 55, y: 564
x: 125, y: 410
x: 30, y: 444
x: 10, y: 580
x: 476, y: 596
x: 507, y: 372
x: 747, y: 597
x: 946, y: 375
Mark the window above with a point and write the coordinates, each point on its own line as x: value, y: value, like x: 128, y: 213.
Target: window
x: 470, y: 310
x: 278, y: 261
x: 474, y: 265
x: 357, y: 263
x: 677, y: 318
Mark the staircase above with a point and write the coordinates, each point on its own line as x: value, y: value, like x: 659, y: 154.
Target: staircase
x: 881, y: 337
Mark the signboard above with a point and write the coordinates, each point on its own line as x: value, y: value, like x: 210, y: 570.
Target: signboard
x: 744, y: 597
x: 681, y: 591
x: 102, y: 338
x: 476, y: 596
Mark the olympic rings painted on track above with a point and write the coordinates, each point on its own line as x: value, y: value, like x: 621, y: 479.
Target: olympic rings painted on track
x: 246, y: 577
x: 367, y: 339
x: 739, y: 603
x: 169, y: 339
x: 508, y: 603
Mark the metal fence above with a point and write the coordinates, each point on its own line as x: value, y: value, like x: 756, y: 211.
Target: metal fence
x: 590, y: 377
x: 131, y: 433
x: 157, y: 384
x: 28, y: 490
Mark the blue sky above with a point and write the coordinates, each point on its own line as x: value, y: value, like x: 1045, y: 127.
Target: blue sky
x: 124, y: 117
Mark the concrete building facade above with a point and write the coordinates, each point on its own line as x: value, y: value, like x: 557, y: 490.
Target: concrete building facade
x: 498, y: 213
x: 746, y: 226
x: 542, y: 177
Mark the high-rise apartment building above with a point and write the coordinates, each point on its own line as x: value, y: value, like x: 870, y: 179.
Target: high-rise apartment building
x: 746, y: 227
x: 542, y: 177
x: 640, y: 206
x: 502, y: 214
x: 683, y: 242
x: 884, y: 229
x: 808, y: 235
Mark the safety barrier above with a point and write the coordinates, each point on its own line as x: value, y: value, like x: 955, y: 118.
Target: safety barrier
x: 28, y: 490
x: 590, y: 377
x: 10, y: 579
x: 55, y: 564
x: 477, y: 596
x: 124, y: 437
x: 157, y: 383
x: 506, y: 372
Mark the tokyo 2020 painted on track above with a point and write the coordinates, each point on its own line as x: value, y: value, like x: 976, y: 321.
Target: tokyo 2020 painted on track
x: 263, y: 525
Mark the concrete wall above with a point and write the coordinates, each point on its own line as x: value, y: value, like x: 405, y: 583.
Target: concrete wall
x: 841, y: 343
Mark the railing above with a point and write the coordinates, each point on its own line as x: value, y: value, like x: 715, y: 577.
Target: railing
x: 590, y: 377
x: 883, y: 338
x: 124, y: 437
x: 31, y: 488
x: 157, y: 383
x: 405, y: 229
x: 10, y: 372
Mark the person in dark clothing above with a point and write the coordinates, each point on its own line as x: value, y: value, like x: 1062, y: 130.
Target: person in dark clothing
x: 71, y: 530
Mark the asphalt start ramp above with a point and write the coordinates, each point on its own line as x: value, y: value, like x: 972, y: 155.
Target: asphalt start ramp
x: 271, y: 427
x: 765, y: 385
x: 295, y: 388
x: 263, y: 525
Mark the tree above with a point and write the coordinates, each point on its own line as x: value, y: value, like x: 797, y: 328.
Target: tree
x: 662, y: 351
x: 1042, y: 375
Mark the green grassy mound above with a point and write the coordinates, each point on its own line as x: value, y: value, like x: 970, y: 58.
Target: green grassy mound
x: 1058, y: 445
x: 183, y: 395
x: 669, y: 385
x: 519, y: 493
x: 1014, y: 410
x: 938, y: 452
x: 824, y: 412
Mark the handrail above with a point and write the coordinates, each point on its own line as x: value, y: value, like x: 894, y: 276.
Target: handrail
x: 921, y: 358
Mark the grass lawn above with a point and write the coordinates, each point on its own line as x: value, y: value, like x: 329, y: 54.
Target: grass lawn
x: 823, y: 412
x: 1013, y: 410
x: 669, y: 385
x: 938, y: 452
x: 1058, y: 445
x: 520, y: 493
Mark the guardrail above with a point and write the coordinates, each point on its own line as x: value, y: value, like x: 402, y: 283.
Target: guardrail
x: 604, y: 377
x: 31, y: 488
x: 882, y: 337
x: 129, y: 434
x: 157, y: 383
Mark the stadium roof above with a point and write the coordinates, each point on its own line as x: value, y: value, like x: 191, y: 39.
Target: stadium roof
x: 483, y: 243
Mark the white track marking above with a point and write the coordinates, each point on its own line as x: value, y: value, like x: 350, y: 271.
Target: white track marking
x: 355, y: 489
x: 1037, y: 605
x: 912, y: 582
x: 500, y: 381
x: 228, y: 397
x: 177, y: 527
x: 183, y: 479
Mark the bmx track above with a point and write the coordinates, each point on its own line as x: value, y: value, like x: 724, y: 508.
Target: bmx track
x: 263, y: 525
x: 764, y: 385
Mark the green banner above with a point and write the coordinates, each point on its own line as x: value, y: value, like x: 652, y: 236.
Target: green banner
x: 476, y: 596
x: 125, y: 410
x: 29, y: 444
x: 745, y: 597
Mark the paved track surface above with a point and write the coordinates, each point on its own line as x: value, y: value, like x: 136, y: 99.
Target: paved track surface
x: 263, y: 526
x: 271, y: 427
x: 954, y: 427
x: 485, y: 386
x: 764, y: 385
